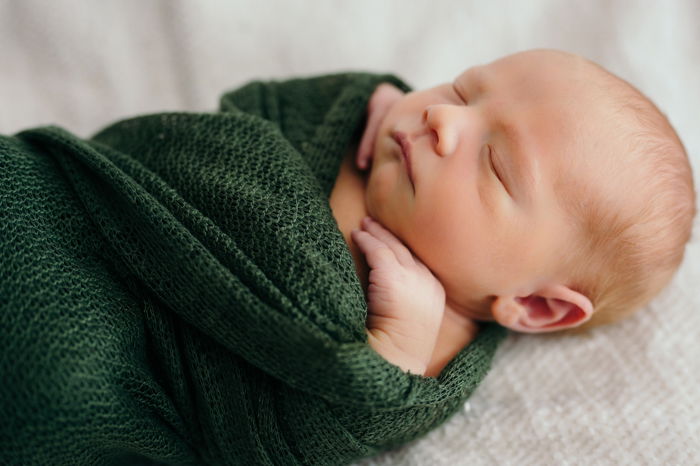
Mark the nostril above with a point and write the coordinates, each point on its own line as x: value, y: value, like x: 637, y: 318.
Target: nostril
x: 425, y: 115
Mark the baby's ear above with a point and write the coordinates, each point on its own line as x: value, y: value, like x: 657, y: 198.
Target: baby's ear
x: 551, y: 308
x: 382, y: 99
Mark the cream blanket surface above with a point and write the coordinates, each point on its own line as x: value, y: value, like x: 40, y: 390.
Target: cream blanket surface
x: 626, y: 394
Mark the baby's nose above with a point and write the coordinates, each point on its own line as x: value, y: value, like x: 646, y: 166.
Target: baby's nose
x: 439, y: 119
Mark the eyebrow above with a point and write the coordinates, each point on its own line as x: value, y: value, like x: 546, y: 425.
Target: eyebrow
x: 525, y: 168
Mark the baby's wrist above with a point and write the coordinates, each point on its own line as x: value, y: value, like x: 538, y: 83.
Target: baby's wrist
x: 415, y: 361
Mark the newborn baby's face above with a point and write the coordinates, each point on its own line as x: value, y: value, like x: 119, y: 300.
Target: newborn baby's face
x: 489, y: 155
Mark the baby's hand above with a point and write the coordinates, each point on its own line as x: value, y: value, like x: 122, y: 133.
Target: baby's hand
x: 383, y: 97
x: 405, y: 300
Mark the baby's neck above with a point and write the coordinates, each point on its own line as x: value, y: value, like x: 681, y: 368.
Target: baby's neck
x: 456, y: 332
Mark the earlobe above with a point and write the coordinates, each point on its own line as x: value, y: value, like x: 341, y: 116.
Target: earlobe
x: 550, y: 308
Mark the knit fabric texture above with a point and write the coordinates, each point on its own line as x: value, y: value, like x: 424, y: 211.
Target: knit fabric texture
x: 176, y: 290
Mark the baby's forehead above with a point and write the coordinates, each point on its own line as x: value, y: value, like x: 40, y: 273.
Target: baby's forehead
x: 541, y: 68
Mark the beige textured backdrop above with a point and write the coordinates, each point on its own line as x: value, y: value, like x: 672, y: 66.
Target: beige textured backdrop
x: 627, y: 394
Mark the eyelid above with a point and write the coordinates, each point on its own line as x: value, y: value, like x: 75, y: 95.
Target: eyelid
x: 493, y: 167
x: 459, y: 94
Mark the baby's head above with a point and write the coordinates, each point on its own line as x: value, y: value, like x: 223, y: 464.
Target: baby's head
x: 544, y: 193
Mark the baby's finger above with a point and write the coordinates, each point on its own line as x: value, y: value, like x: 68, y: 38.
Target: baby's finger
x: 364, y: 152
x: 376, y: 252
x: 403, y: 254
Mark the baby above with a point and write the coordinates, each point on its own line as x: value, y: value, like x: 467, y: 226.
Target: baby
x: 538, y: 191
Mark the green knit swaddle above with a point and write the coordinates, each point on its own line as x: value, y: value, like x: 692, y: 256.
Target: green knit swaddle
x: 176, y: 289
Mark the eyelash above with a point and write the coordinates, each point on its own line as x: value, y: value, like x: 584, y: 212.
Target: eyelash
x: 493, y: 166
x: 454, y: 88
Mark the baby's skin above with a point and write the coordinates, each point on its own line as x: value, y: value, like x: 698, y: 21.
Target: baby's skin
x: 462, y: 193
x: 406, y: 302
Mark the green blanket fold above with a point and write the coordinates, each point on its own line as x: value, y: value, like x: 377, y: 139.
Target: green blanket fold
x: 176, y: 290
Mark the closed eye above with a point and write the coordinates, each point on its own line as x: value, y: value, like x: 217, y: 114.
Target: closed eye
x: 456, y: 91
x: 495, y: 170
